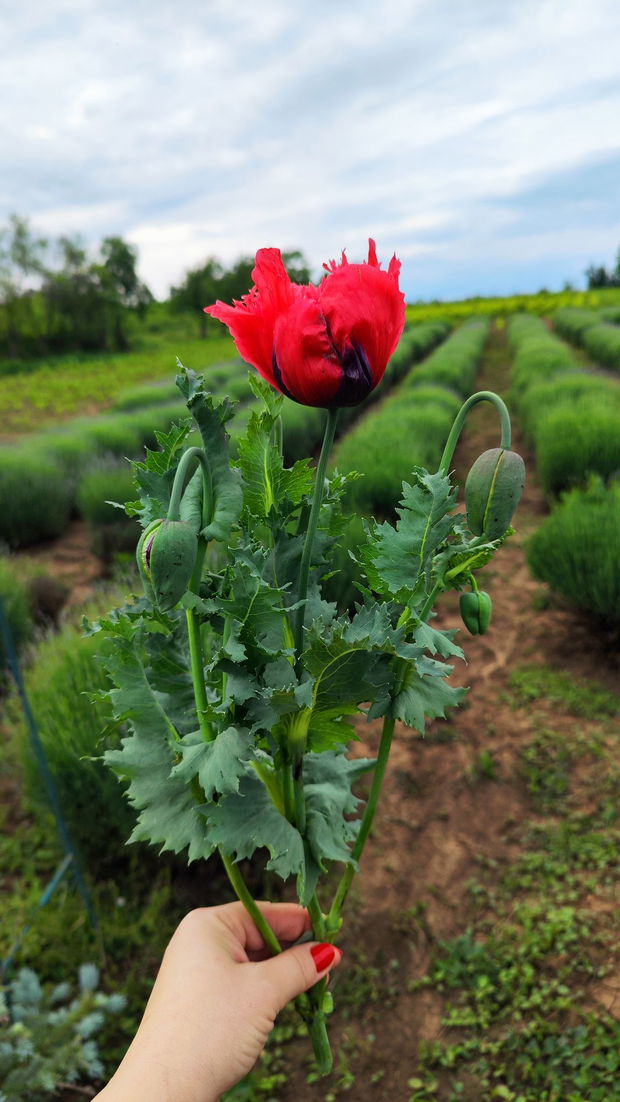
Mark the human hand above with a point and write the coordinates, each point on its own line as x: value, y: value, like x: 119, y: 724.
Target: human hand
x: 214, y: 1003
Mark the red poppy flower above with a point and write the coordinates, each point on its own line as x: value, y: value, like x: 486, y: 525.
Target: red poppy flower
x: 325, y: 345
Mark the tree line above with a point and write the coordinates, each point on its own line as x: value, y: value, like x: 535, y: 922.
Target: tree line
x: 599, y: 276
x: 55, y: 298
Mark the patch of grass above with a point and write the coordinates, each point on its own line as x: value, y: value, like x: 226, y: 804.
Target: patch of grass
x: 545, y: 768
x: 581, y: 698
x: 484, y: 767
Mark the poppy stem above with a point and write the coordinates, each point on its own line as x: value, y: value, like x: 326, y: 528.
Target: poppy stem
x: 313, y: 523
x: 459, y: 421
x: 333, y: 918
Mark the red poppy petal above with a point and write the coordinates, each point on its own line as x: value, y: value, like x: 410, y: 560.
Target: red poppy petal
x: 308, y: 366
x: 253, y: 338
x: 252, y: 320
x: 364, y: 306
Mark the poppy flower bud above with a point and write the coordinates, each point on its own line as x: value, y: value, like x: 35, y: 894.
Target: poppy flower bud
x: 492, y: 492
x: 325, y: 345
x: 476, y: 609
x: 166, y: 557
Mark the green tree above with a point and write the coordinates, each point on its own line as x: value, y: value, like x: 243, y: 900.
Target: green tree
x: 210, y: 281
x: 21, y: 270
x: 199, y: 288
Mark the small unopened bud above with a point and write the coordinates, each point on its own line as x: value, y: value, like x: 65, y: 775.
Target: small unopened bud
x: 166, y: 557
x: 492, y: 492
x: 476, y: 609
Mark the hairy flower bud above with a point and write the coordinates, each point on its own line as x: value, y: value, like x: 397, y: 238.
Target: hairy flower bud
x: 492, y: 492
x: 476, y: 609
x: 166, y: 557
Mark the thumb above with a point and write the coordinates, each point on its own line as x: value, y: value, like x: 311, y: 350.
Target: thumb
x: 297, y: 969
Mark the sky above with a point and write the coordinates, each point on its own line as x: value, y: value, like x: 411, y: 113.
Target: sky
x: 479, y: 141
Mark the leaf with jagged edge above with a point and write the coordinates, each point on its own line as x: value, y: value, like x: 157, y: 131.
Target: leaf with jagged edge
x: 247, y: 820
x: 267, y: 484
x: 168, y: 814
x: 218, y: 765
x: 225, y: 489
x: 438, y: 641
x: 398, y: 558
x: 422, y: 692
x: 155, y: 474
x: 260, y: 608
x: 329, y: 800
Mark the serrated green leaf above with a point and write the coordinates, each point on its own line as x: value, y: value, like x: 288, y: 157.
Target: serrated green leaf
x: 248, y: 820
x: 331, y: 729
x: 424, y: 693
x: 437, y: 641
x: 168, y: 815
x: 225, y: 492
x: 329, y: 800
x: 266, y: 483
x: 219, y: 765
x: 398, y: 559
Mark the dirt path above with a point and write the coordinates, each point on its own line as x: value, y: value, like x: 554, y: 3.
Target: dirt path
x: 70, y: 560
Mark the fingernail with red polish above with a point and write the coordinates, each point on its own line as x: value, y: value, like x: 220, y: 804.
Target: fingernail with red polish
x: 323, y: 955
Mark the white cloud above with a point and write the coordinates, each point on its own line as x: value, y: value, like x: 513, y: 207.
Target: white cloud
x: 208, y: 127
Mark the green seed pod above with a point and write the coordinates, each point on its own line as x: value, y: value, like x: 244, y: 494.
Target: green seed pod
x: 166, y: 557
x: 492, y: 492
x: 476, y: 609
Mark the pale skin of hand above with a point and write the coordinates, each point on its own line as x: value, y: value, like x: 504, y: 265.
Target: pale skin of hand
x: 214, y: 1004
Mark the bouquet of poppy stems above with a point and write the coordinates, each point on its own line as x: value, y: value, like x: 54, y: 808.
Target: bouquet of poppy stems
x: 235, y: 679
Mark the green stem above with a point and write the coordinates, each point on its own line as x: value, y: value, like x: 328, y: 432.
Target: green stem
x: 318, y: 919
x: 179, y: 484
x: 320, y: 1041
x: 333, y: 917
x: 313, y: 521
x: 195, y: 650
x: 254, y: 911
x: 459, y: 421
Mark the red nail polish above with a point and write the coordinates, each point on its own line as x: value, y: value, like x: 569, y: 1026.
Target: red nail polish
x: 323, y: 955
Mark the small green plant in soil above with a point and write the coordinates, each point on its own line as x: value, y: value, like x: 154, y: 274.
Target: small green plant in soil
x: 545, y: 768
x: 48, y: 1037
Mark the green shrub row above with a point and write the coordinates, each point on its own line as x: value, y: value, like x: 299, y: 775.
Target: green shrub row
x: 40, y: 476
x: 572, y: 323
x: 410, y: 428
x: 570, y: 414
x: 65, y: 684
x: 575, y: 551
x: 15, y: 603
x: 611, y: 314
x: 598, y: 336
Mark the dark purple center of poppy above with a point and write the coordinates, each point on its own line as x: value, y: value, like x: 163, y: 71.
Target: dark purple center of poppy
x: 356, y: 381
